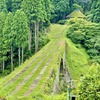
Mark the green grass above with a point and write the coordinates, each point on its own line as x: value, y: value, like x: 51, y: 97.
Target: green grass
x: 18, y: 69
x: 55, y: 46
x: 45, y: 75
x: 77, y: 60
x: 35, y: 75
x: 56, y: 31
x: 12, y: 86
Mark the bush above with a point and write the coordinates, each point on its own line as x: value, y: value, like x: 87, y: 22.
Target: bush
x: 89, y: 88
x: 6, y: 72
x: 43, y: 40
x: 87, y: 34
x: 92, y: 52
x: 42, y: 96
x: 62, y: 22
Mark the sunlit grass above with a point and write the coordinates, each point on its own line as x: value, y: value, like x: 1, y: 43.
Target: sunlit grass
x: 77, y: 60
x: 55, y: 35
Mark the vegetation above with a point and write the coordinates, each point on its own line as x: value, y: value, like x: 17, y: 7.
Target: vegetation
x: 88, y: 35
x: 85, y: 35
x: 39, y: 48
x: 95, y: 10
x: 76, y: 14
x: 37, y: 15
x: 45, y: 56
x: 21, y: 31
x: 89, y: 84
x: 62, y: 8
x: 77, y: 60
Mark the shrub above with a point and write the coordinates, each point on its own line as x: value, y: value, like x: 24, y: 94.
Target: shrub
x: 62, y: 22
x: 89, y: 88
x: 87, y: 34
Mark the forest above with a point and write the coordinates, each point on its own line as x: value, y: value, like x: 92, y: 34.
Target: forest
x: 27, y: 21
x: 26, y: 28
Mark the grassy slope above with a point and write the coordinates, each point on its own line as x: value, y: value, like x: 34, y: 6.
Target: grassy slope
x: 77, y: 60
x: 56, y: 37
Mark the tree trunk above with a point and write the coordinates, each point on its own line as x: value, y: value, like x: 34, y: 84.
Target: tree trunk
x: 11, y: 59
x: 36, y: 35
x: 19, y: 55
x: 30, y: 40
x: 42, y: 27
x: 3, y: 65
x: 22, y: 54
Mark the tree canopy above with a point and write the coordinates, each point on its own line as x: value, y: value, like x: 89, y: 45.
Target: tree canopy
x: 27, y: 20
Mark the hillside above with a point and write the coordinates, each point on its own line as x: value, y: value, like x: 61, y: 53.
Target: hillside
x: 34, y: 73
x: 49, y: 49
x: 77, y: 60
x: 30, y: 78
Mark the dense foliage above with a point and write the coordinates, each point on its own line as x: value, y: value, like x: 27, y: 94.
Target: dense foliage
x: 20, y: 39
x: 61, y: 8
x: 89, y: 88
x: 22, y: 24
x: 88, y: 35
x: 42, y: 66
x: 95, y: 10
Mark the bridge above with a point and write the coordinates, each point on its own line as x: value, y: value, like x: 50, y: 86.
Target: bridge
x: 41, y: 70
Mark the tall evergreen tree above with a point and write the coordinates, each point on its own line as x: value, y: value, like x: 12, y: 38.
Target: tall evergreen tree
x: 71, y: 2
x: 21, y: 30
x: 3, y: 7
x: 27, y: 7
x: 96, y: 11
x: 59, y: 9
x: 16, y: 5
x: 2, y: 46
x: 47, y: 5
x: 8, y: 36
x: 39, y: 15
x: 34, y: 11
x: 9, y: 5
